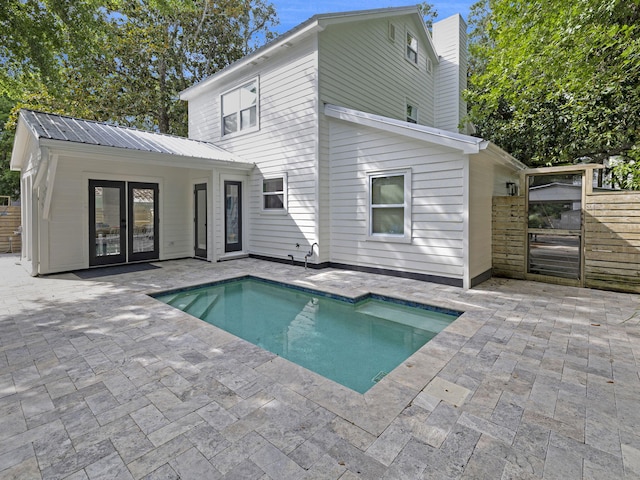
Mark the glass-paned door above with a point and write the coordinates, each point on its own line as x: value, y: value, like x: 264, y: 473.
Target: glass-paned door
x: 200, y: 220
x: 232, y: 216
x: 107, y: 222
x: 143, y: 221
x: 554, y: 227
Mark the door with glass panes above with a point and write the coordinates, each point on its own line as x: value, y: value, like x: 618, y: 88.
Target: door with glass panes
x: 123, y: 222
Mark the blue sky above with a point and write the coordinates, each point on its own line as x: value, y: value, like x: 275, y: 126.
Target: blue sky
x: 294, y: 12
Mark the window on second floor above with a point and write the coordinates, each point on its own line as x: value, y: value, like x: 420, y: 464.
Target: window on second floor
x: 412, y: 113
x: 412, y: 48
x: 240, y: 109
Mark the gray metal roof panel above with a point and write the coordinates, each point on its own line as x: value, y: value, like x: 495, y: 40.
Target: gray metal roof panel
x: 69, y: 129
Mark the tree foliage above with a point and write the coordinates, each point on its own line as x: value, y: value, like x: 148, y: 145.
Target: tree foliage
x: 120, y: 61
x: 557, y: 82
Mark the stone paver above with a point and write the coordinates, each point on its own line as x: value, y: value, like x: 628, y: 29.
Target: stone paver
x: 99, y: 380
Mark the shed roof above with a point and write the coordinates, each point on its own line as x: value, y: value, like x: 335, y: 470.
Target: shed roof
x: 465, y: 143
x: 49, y: 126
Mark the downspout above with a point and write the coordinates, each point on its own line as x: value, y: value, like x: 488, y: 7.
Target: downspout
x: 466, y: 278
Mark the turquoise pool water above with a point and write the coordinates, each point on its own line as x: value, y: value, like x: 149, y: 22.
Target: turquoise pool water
x: 352, y: 343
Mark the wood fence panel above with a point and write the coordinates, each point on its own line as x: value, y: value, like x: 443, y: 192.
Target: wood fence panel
x: 9, y: 223
x: 508, y: 230
x: 612, y: 241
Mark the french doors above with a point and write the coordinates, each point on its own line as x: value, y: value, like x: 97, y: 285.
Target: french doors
x: 123, y: 222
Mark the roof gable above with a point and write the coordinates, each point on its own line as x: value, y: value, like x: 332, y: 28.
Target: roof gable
x: 309, y: 27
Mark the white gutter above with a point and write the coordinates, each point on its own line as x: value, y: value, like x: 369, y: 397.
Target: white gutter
x: 144, y: 157
x: 465, y: 143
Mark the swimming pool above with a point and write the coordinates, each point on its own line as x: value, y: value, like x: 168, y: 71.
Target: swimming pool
x: 354, y: 342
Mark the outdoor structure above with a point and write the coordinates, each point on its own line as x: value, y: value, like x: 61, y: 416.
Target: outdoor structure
x: 563, y: 229
x: 336, y: 144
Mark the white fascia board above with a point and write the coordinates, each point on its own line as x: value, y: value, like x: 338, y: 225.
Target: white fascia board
x: 20, y: 145
x: 326, y: 19
x: 260, y: 54
x: 457, y: 141
x: 501, y: 156
x: 315, y: 24
x: 63, y: 147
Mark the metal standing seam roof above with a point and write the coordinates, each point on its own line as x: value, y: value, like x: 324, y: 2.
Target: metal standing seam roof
x: 89, y: 132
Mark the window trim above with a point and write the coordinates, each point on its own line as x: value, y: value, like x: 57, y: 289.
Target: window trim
x: 408, y: 119
x: 407, y: 48
x: 241, y: 131
x: 285, y: 187
x: 406, y: 236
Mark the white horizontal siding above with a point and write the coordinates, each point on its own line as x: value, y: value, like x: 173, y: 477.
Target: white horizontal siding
x: 438, y: 210
x: 450, y: 41
x: 68, y: 224
x: 487, y: 179
x: 361, y: 68
x: 286, y: 142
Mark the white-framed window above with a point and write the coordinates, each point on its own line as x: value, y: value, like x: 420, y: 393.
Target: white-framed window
x: 429, y: 66
x: 239, y: 108
x: 412, y: 112
x: 390, y: 205
x: 412, y: 48
x: 274, y: 193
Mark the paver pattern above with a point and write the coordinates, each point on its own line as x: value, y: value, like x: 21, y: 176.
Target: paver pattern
x: 98, y: 380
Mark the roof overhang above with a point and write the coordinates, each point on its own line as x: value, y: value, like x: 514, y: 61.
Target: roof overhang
x: 312, y: 26
x: 457, y: 141
x: 20, y: 145
x: 109, y: 153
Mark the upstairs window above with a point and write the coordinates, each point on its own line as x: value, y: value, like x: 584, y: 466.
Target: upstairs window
x: 390, y: 206
x: 412, y: 113
x: 274, y: 194
x: 412, y: 48
x: 240, y: 109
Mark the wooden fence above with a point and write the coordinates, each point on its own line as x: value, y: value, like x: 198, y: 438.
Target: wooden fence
x: 9, y: 223
x: 612, y: 241
x: 508, y: 237
x: 611, y: 249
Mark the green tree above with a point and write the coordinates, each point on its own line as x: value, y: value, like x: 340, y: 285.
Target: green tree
x: 557, y: 82
x: 120, y: 61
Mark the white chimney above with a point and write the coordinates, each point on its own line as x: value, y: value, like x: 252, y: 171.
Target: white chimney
x: 450, y: 41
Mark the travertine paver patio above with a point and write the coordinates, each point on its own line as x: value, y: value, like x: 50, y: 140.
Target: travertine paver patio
x: 97, y: 380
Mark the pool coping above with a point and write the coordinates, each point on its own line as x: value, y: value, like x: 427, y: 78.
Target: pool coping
x: 374, y: 410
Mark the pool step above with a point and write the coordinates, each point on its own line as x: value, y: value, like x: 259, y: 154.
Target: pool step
x: 431, y: 321
x: 183, y: 300
x: 203, y: 305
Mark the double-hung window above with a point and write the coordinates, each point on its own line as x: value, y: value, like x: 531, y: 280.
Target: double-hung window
x: 412, y: 48
x: 390, y: 205
x: 274, y: 194
x: 240, y: 109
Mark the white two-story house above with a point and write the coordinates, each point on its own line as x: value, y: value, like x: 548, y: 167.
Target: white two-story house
x: 337, y: 144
